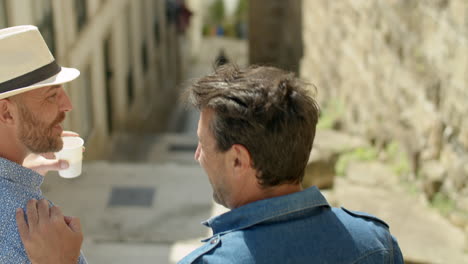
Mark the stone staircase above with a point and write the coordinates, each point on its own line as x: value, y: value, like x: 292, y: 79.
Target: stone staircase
x: 424, y: 235
x: 144, y: 205
x: 169, y: 193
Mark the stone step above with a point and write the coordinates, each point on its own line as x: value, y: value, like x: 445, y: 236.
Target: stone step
x: 328, y: 146
x: 161, y: 148
x: 423, y: 234
x: 138, y: 203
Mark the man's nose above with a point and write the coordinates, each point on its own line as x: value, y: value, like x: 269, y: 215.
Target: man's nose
x: 65, y: 102
x: 197, y: 153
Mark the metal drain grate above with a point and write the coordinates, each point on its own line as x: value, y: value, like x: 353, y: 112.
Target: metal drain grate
x: 132, y: 196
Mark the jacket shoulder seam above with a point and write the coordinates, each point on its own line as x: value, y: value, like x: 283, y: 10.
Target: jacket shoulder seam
x: 370, y: 253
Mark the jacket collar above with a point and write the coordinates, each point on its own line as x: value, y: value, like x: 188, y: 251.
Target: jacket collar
x: 264, y: 210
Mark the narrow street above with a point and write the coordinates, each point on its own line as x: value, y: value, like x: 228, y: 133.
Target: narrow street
x: 145, y: 204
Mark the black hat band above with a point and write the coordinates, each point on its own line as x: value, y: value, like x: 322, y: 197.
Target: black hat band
x: 31, y: 78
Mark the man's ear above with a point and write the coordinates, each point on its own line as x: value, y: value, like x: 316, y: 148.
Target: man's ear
x: 6, y: 115
x: 240, y: 157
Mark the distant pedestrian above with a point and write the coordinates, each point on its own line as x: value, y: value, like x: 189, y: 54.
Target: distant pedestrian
x: 221, y: 59
x: 219, y: 30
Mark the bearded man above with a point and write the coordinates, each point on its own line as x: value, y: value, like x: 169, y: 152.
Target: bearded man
x: 33, y: 105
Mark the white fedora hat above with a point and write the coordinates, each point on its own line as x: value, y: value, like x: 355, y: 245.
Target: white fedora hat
x: 26, y: 62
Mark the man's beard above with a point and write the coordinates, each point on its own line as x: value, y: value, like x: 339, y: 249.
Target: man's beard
x: 38, y: 136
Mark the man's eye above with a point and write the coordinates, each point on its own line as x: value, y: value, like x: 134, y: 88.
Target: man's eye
x: 52, y: 98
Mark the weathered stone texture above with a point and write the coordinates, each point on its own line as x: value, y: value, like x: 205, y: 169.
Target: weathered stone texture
x: 400, y: 68
x: 328, y: 146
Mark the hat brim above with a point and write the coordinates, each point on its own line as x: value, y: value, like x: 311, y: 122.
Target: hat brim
x: 65, y: 75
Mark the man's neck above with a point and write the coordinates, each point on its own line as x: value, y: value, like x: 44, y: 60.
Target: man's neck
x: 14, y: 157
x: 11, y: 149
x: 261, y: 193
x: 280, y: 190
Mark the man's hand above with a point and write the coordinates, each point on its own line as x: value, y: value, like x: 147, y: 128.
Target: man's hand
x: 43, y: 163
x: 49, y: 237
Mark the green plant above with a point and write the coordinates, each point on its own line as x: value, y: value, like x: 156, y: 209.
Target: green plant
x: 330, y: 114
x: 397, y: 158
x: 242, y: 10
x: 216, y: 12
x: 443, y: 203
x: 410, y: 187
x: 229, y: 30
x: 358, y: 154
x: 206, y: 30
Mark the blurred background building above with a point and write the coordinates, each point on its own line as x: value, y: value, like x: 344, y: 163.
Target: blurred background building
x: 390, y: 77
x: 128, y: 54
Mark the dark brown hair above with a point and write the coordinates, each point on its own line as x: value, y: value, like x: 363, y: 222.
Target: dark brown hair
x: 265, y: 109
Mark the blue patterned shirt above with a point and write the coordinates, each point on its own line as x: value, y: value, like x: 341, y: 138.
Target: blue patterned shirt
x: 18, y: 185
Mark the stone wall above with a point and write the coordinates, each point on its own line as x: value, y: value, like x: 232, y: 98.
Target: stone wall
x: 400, y: 71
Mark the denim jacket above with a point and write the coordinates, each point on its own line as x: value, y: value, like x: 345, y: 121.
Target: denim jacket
x: 296, y: 228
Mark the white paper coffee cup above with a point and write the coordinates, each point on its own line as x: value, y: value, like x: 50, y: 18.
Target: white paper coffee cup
x: 72, y: 152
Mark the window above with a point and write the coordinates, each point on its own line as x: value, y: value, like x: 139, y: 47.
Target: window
x: 85, y: 123
x: 130, y: 87
x: 130, y: 79
x: 108, y: 71
x: 156, y: 31
x: 81, y: 13
x: 144, y: 43
x: 144, y: 56
x: 3, y: 14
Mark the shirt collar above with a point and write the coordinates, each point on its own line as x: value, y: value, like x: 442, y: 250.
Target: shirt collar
x: 18, y: 174
x: 263, y: 210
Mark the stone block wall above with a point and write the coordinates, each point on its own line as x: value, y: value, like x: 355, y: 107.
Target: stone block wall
x: 399, y: 68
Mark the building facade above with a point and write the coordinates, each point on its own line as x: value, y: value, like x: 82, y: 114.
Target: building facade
x: 127, y: 52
